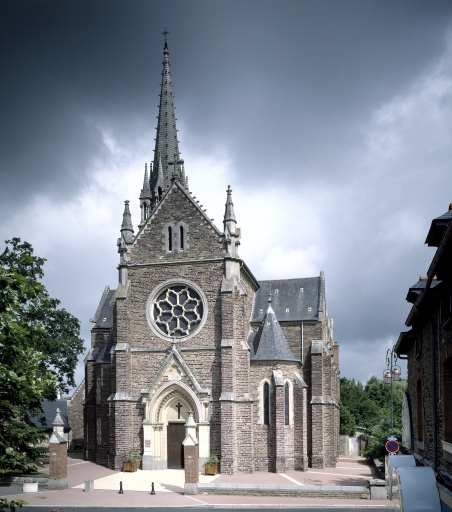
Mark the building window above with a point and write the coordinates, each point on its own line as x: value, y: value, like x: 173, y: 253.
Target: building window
x: 286, y: 404
x: 266, y: 400
x: 181, y: 238
x: 159, y: 190
x: 98, y: 431
x: 447, y: 399
x: 419, y: 411
x: 170, y: 238
x: 98, y: 390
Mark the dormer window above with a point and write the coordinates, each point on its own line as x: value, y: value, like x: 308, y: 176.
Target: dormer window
x: 276, y: 291
x: 287, y: 310
x: 309, y: 309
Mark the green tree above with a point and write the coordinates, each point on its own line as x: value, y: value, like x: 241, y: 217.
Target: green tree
x: 347, y: 421
x: 376, y: 448
x: 39, y: 347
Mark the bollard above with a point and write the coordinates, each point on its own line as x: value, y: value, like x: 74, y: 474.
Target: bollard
x: 89, y: 485
x: 120, y: 488
x: 152, y: 490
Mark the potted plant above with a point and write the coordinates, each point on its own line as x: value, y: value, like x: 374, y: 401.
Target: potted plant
x: 211, y: 465
x: 30, y: 485
x: 131, y: 460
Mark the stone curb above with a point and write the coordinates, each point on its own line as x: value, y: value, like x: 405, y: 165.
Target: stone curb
x: 301, y: 491
x: 19, y: 480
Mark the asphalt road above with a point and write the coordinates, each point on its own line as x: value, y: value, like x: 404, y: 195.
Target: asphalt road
x: 353, y: 508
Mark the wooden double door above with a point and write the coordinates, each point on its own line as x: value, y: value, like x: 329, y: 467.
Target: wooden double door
x: 175, y: 437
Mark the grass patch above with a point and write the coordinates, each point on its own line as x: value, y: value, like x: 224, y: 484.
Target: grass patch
x: 75, y: 451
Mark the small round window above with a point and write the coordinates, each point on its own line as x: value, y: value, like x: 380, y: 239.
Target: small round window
x: 177, y: 310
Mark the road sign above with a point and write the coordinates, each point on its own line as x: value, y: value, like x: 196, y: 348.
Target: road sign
x: 392, y: 446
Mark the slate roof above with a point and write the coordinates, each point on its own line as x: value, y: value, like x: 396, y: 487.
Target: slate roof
x: 104, y: 314
x: 45, y: 420
x: 437, y: 229
x: 104, y: 355
x: 269, y: 343
x: 297, y: 295
x: 416, y: 289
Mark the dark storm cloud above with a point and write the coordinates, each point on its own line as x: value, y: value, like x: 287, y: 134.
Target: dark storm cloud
x: 291, y: 90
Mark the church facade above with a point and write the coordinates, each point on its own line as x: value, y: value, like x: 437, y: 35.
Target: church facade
x: 189, y: 328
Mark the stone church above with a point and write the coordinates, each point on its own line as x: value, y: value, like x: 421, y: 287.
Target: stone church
x: 190, y: 328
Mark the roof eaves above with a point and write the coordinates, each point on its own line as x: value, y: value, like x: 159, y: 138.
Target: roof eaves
x: 430, y: 275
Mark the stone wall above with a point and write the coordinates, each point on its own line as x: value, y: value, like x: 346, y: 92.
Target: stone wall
x: 75, y: 417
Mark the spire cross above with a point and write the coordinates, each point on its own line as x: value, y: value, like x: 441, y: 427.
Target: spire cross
x: 164, y: 33
x: 175, y: 162
x: 229, y: 190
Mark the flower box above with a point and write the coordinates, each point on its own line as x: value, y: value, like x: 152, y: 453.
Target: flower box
x: 129, y: 466
x: 211, y: 469
x: 30, y: 487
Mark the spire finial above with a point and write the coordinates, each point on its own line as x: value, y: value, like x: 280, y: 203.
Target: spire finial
x: 229, y: 210
x: 165, y: 32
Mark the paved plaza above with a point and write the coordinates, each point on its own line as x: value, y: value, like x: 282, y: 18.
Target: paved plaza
x: 169, y: 484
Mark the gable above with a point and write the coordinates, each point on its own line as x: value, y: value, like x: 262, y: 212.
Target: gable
x: 177, y: 211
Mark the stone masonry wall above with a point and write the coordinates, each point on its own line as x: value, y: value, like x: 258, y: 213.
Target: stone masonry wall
x: 75, y: 417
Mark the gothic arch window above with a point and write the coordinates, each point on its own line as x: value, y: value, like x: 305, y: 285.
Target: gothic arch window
x: 181, y: 238
x: 288, y: 403
x: 266, y: 403
x: 170, y: 239
x: 265, y: 396
x: 447, y: 400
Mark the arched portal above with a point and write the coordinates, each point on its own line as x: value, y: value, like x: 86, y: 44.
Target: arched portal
x: 164, y: 426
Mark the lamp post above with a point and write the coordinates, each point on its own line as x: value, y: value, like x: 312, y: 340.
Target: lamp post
x: 391, y: 373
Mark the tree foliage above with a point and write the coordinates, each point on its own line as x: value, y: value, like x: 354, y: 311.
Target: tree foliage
x: 376, y: 447
x: 39, y: 347
x: 370, y: 404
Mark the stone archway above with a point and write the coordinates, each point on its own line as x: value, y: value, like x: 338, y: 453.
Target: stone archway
x: 163, y: 427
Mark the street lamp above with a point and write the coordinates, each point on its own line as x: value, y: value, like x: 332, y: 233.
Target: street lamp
x: 391, y: 373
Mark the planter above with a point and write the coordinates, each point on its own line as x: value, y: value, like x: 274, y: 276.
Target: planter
x: 30, y: 487
x: 211, y: 469
x: 129, y: 466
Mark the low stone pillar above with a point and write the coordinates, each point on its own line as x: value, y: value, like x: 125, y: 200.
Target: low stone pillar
x: 191, y: 456
x: 89, y: 485
x: 377, y: 489
x: 58, y: 455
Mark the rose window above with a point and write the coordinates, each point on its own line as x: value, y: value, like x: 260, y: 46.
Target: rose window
x: 177, y: 311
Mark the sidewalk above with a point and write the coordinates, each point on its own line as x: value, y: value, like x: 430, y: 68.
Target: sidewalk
x: 168, y: 485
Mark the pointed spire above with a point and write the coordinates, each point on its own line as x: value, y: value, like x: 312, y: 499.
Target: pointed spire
x: 146, y: 191
x: 127, y: 227
x: 229, y: 210
x: 145, y: 197
x: 166, y: 143
x: 270, y: 344
x: 58, y: 420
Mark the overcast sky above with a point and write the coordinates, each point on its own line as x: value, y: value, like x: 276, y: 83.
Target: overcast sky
x: 331, y: 121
